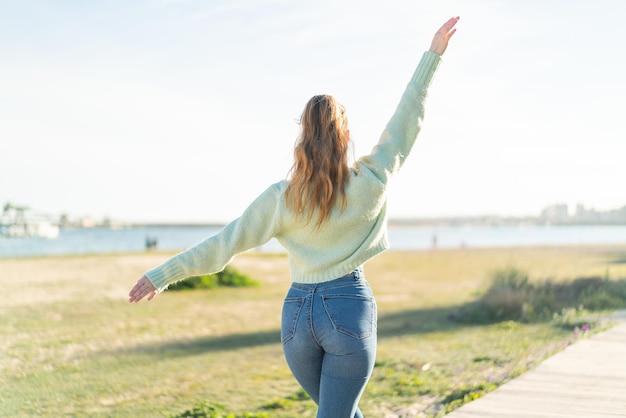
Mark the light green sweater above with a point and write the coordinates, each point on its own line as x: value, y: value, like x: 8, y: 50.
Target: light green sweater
x: 347, y: 239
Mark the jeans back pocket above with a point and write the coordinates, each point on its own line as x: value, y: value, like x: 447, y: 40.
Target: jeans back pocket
x: 289, y: 317
x: 353, y: 315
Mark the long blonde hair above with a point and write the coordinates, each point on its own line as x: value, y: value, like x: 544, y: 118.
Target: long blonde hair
x: 320, y: 170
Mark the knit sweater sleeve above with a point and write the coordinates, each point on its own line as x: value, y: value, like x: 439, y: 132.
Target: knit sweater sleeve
x: 256, y: 226
x: 401, y: 131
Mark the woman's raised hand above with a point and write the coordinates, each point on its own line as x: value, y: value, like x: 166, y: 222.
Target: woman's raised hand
x: 443, y: 35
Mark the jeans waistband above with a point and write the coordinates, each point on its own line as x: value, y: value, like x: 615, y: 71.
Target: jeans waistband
x: 354, y: 275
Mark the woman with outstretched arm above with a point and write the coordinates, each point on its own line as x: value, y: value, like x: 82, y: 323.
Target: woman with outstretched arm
x: 331, y: 219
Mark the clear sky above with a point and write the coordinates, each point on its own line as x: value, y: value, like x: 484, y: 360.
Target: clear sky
x: 186, y: 110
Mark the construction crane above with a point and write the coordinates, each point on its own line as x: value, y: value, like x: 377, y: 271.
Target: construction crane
x: 15, y: 224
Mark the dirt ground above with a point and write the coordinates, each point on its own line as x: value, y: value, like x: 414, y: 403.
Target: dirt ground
x: 38, y: 280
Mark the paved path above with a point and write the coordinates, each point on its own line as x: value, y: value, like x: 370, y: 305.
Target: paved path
x: 586, y: 380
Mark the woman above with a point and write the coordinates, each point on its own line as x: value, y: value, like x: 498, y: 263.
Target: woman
x: 331, y: 219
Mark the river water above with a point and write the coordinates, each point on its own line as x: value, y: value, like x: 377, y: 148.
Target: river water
x: 133, y: 239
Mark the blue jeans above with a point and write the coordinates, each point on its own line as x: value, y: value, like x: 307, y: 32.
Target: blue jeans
x: 329, y: 339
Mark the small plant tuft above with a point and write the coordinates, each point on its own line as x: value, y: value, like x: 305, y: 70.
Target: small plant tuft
x: 215, y: 410
x: 229, y: 277
x: 463, y: 395
x: 287, y: 402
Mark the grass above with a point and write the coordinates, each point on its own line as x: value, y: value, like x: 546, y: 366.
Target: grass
x: 228, y: 277
x: 511, y: 296
x: 72, y: 346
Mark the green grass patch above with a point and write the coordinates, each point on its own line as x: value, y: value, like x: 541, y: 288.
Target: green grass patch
x: 229, y: 277
x: 463, y: 395
x: 287, y: 402
x: 215, y: 410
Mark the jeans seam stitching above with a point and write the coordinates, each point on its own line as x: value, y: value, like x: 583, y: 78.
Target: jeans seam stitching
x: 310, y: 321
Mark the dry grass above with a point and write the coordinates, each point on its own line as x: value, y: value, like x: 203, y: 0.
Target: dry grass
x: 71, y: 344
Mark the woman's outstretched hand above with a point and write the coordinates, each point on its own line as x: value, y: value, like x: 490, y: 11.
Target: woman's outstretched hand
x: 142, y: 288
x: 443, y: 35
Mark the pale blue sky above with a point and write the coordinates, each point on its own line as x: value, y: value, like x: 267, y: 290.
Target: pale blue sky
x: 186, y: 110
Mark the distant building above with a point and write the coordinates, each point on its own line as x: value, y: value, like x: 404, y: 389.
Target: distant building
x: 583, y: 215
x: 558, y: 213
x: 87, y: 222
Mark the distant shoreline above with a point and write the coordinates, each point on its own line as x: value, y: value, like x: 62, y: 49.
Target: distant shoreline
x: 394, y: 222
x: 175, y: 225
x: 147, y: 237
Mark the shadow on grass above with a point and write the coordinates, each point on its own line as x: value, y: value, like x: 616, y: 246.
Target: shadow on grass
x: 210, y: 344
x: 618, y: 260
x: 615, y: 257
x: 511, y: 296
x: 418, y: 321
x: 389, y: 325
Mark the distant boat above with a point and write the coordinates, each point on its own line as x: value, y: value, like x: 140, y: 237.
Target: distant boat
x: 15, y: 224
x: 41, y: 229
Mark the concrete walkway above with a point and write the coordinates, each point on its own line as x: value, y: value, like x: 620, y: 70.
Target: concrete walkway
x: 586, y: 380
